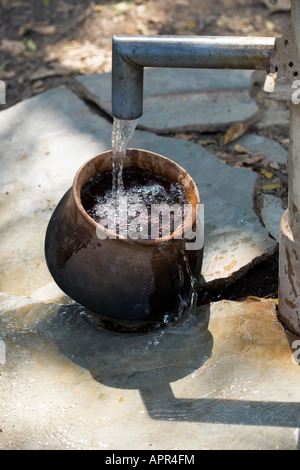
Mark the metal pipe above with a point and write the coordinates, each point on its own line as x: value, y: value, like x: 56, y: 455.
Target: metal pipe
x: 130, y: 54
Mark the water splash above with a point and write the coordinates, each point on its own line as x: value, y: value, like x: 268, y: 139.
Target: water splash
x: 122, y: 132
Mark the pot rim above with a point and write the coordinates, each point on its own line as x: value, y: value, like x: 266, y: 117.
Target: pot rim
x: 110, y: 234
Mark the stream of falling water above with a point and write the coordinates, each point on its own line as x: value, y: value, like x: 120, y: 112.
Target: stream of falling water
x: 122, y: 132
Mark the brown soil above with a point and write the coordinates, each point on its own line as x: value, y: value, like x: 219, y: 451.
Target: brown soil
x: 56, y: 40
x: 47, y: 43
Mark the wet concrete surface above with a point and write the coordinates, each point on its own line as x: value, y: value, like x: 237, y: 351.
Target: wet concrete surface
x: 222, y: 378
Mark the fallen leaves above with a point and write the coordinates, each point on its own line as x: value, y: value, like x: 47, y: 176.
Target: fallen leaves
x: 270, y: 25
x: 239, y: 148
x: 7, y: 74
x: 30, y: 45
x: 253, y: 159
x: 274, y: 165
x: 40, y: 28
x: 14, y: 47
x: 268, y: 174
x: 235, y: 131
x: 38, y: 87
x: 4, y: 73
x: 270, y: 187
x: 207, y: 141
x: 242, y: 159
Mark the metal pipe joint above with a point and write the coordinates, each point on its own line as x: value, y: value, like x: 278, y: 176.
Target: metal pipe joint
x: 130, y: 54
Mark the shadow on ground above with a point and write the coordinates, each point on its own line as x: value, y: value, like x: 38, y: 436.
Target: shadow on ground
x: 152, y: 362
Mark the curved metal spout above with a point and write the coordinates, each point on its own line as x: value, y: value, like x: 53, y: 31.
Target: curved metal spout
x: 130, y: 54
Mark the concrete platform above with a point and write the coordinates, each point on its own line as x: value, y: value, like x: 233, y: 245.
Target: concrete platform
x: 223, y: 378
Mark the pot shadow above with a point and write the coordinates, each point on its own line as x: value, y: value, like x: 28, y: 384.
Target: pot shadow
x: 150, y: 362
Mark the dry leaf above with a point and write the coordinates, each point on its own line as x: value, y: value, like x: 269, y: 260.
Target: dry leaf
x: 24, y: 29
x: 40, y: 28
x: 270, y: 187
x: 183, y: 136
x: 30, y: 45
x: 98, y: 8
x: 14, y: 47
x: 274, y: 165
x: 266, y: 173
x: 254, y: 159
x: 239, y: 148
x: 234, y: 132
x: 17, y: 4
x: 142, y: 28
x: 223, y: 20
x: 207, y: 142
x: 6, y: 74
x: 45, y: 29
x: 270, y: 25
x: 38, y: 87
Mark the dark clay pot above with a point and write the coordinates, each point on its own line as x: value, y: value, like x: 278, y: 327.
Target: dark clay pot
x: 128, y: 284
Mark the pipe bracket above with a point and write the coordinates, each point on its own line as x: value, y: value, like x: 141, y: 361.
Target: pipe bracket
x: 283, y: 79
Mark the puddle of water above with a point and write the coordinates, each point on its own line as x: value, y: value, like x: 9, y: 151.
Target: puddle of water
x: 113, y: 359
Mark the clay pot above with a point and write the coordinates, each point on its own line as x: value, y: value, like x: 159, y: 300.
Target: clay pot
x: 125, y: 283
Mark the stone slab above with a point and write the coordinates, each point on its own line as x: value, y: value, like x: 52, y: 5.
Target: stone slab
x: 205, y: 111
x: 273, y: 114
x: 44, y: 142
x: 271, y: 214
x: 208, y: 100
x: 273, y: 151
x: 171, y: 80
x: 230, y: 385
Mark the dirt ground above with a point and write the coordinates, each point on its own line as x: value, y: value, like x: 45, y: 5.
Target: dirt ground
x: 44, y: 43
x: 47, y: 43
